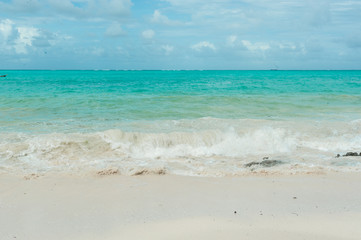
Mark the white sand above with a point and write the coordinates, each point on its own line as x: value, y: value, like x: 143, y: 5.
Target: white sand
x: 172, y: 207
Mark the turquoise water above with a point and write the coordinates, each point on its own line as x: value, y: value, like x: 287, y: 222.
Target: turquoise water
x: 153, y: 118
x: 36, y: 101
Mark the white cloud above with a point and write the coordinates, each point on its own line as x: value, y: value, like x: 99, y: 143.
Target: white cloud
x: 116, y: 7
x: 148, y: 34
x: 346, y: 5
x: 66, y: 7
x: 20, y: 39
x: 203, y: 45
x: 6, y: 28
x: 22, y: 6
x: 168, y: 49
x: 25, y: 39
x: 159, y: 18
x: 287, y: 46
x: 114, y: 30
x: 91, y: 9
x: 121, y: 51
x: 231, y: 40
x: 257, y: 46
x: 17, y: 38
x: 97, y: 51
x: 185, y: 3
x: 87, y: 9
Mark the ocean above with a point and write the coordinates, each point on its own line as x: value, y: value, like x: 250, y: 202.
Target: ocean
x: 193, y: 123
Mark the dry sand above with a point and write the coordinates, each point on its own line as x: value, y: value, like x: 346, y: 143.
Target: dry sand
x: 173, y: 207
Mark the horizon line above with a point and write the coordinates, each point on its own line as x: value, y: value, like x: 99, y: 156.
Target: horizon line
x: 275, y: 70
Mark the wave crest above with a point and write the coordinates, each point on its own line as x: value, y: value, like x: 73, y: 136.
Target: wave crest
x: 205, y: 151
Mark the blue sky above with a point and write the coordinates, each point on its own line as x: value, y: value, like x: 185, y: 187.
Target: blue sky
x: 180, y: 34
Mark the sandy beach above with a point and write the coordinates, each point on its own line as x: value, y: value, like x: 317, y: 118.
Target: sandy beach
x: 324, y: 206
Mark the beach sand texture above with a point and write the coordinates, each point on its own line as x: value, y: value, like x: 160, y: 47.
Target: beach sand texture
x: 324, y: 206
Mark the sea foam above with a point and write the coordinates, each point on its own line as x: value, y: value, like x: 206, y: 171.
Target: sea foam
x: 212, y: 147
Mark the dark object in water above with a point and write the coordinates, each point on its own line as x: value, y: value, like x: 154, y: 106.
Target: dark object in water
x: 352, y: 154
x: 265, y: 163
x: 338, y: 155
x: 2, y: 75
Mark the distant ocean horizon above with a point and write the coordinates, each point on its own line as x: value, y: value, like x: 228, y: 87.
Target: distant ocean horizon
x: 182, y: 122
x: 176, y: 69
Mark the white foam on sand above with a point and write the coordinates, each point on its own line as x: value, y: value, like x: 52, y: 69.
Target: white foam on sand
x: 206, y: 147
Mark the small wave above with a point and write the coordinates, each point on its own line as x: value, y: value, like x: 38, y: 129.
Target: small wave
x: 214, y: 147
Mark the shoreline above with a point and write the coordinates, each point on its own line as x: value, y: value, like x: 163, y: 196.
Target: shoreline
x: 315, y: 206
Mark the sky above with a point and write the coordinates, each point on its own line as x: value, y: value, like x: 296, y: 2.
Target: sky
x: 180, y: 34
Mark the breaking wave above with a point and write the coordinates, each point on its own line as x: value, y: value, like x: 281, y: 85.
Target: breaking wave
x: 206, y: 147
